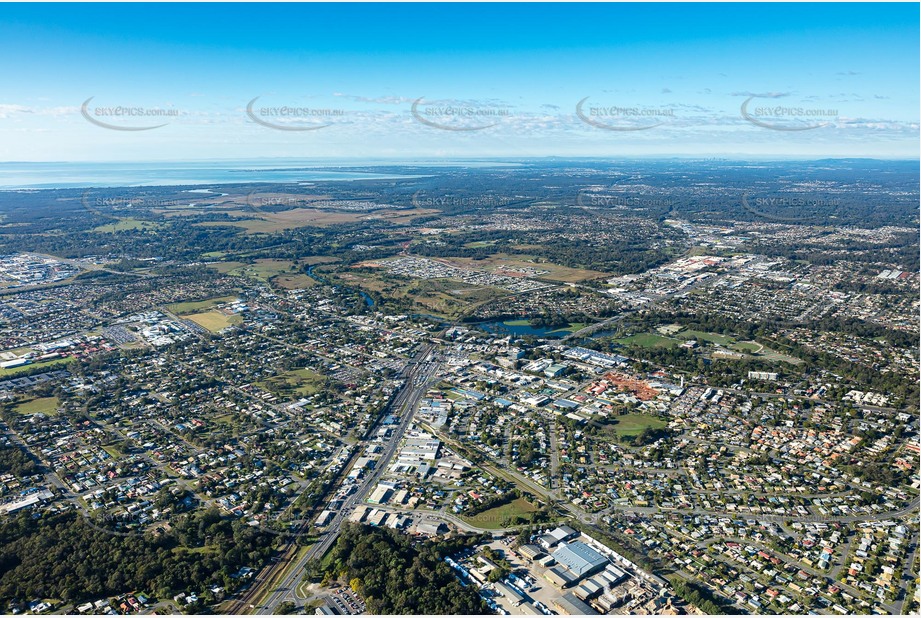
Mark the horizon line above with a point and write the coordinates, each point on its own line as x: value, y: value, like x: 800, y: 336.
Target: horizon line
x: 727, y: 157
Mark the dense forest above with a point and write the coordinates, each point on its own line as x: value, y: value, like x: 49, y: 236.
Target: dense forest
x: 15, y: 461
x: 396, y: 574
x: 65, y: 557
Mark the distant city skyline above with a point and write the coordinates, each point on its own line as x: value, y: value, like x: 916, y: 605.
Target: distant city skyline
x: 144, y: 82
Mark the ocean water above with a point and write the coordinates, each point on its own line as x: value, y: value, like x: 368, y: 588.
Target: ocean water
x: 20, y: 176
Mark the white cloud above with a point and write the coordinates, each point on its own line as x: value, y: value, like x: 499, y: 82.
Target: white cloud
x: 7, y: 110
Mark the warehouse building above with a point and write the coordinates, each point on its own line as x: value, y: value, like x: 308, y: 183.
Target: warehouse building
x: 324, y: 518
x: 570, y: 605
x: 514, y: 597
x: 580, y: 559
x: 380, y: 495
x: 531, y: 552
x: 588, y: 590
x: 559, y: 577
x: 557, y: 536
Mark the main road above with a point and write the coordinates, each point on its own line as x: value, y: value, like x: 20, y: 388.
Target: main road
x: 418, y: 373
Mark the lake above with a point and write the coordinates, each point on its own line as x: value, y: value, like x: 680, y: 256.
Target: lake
x: 521, y: 328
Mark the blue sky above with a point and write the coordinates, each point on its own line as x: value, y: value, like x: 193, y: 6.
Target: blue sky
x: 488, y: 80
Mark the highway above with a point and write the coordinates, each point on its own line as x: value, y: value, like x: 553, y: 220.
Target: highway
x: 418, y: 373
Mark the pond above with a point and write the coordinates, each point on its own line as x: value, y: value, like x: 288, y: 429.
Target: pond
x: 522, y: 328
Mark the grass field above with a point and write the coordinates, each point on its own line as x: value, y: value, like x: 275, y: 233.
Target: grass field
x: 265, y: 269
x: 573, y: 327
x: 442, y: 297
x: 477, y: 244
x: 504, y: 264
x: 18, y: 352
x: 496, y: 517
x: 752, y: 348
x: 57, y: 363
x: 634, y: 424
x: 271, y: 222
x: 124, y: 225
x: 649, y: 340
x: 773, y: 355
x: 281, y: 273
x: 669, y: 329
x: 723, y: 340
x: 747, y: 346
x: 297, y: 382
x: 453, y: 396
x: 198, y: 305
x: 205, y: 549
x: 226, y: 267
x: 294, y: 282
x: 113, y: 453
x: 43, y: 405
x: 313, y: 260
x: 214, y: 321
